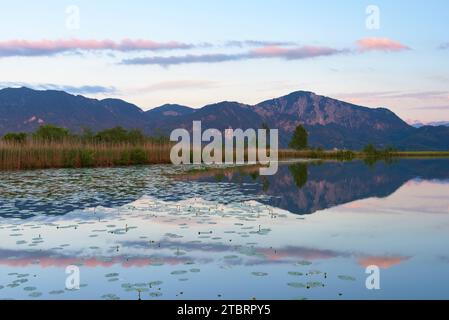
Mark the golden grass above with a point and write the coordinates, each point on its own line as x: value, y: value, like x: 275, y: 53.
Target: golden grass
x: 76, y: 154
x: 73, y: 154
x: 421, y: 154
x: 348, y: 155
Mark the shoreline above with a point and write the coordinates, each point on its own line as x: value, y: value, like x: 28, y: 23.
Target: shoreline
x: 77, y: 156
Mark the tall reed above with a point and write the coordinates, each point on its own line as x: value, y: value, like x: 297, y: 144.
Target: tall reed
x: 69, y: 153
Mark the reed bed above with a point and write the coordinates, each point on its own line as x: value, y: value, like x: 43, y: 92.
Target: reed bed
x: 421, y: 154
x: 350, y: 155
x: 75, y: 154
x: 72, y: 153
x: 318, y: 154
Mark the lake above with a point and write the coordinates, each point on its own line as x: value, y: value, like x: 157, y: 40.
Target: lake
x: 170, y: 232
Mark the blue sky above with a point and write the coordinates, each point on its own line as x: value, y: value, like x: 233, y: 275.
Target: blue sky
x: 198, y: 52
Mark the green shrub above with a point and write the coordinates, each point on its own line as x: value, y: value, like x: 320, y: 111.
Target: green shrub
x: 124, y: 158
x: 120, y: 135
x: 51, y: 133
x: 87, y: 158
x: 69, y: 158
x: 13, y: 137
x: 114, y: 135
x: 138, y: 156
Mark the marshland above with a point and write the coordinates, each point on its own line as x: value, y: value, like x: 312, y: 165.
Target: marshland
x: 56, y: 147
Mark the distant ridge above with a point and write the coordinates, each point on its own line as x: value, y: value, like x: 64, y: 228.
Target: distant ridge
x: 432, y: 124
x: 331, y: 123
x: 169, y: 110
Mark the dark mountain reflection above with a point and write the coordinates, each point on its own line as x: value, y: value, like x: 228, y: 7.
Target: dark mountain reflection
x: 304, y: 188
x: 297, y: 187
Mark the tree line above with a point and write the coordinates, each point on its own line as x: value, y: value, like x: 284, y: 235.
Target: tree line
x: 52, y: 133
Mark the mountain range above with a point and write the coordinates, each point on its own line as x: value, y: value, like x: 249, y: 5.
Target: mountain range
x: 432, y: 123
x: 330, y: 123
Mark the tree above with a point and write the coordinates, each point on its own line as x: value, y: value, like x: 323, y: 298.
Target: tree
x: 136, y: 136
x: 300, y: 139
x: 370, y: 149
x: 13, y: 137
x: 51, y: 133
x: 115, y: 135
x: 299, y: 173
x: 87, y: 135
x: 120, y: 135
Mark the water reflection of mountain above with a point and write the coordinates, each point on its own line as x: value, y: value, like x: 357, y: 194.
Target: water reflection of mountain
x: 305, y: 188
x: 300, y: 188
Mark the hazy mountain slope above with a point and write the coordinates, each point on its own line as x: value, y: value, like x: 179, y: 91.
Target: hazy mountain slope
x: 168, y: 110
x: 330, y: 122
x: 23, y: 109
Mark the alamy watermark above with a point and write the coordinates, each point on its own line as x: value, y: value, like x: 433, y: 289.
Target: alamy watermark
x: 235, y: 144
x: 372, y: 21
x: 72, y: 21
x: 72, y: 281
x: 373, y: 280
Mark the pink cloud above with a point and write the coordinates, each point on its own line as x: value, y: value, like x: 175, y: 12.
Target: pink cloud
x: 380, y: 44
x: 384, y: 262
x: 354, y: 205
x: 51, y: 47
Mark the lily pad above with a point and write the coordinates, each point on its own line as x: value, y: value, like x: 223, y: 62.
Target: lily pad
x: 346, y: 278
x: 314, y: 284
x: 259, y: 274
x: 29, y: 288
x: 155, y: 283
x: 55, y: 292
x: 155, y: 294
x: 35, y: 294
x: 178, y: 272
x: 111, y: 275
x: 296, y: 284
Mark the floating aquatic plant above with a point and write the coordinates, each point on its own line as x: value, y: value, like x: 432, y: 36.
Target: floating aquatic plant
x: 56, y: 292
x: 178, y: 272
x: 155, y: 294
x: 259, y: 274
x: 29, y: 288
x: 314, y: 284
x: 230, y: 257
x: 155, y: 283
x: 346, y: 278
x: 35, y: 294
x: 111, y: 275
x: 296, y: 284
x: 110, y: 296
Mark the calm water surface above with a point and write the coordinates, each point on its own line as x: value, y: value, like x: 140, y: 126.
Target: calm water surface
x: 165, y: 232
